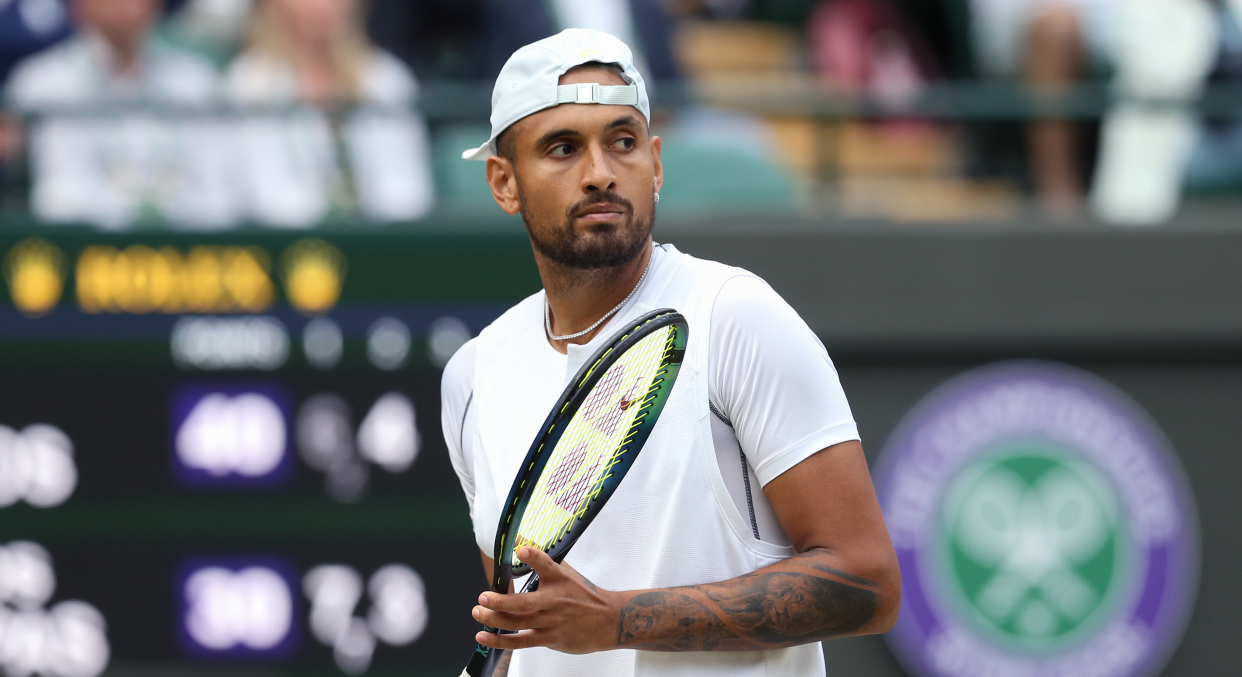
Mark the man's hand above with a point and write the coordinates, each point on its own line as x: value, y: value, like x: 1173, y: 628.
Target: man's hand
x: 567, y: 613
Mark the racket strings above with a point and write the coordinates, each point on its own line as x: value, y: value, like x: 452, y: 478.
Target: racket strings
x: 537, y: 521
x: 594, y: 442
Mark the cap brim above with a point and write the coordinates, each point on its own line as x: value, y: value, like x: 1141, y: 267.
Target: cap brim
x: 481, y: 153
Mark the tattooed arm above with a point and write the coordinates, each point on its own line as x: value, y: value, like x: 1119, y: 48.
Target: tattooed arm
x: 802, y: 599
x: 843, y: 581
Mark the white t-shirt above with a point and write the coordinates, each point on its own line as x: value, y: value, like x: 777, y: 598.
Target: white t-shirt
x: 772, y: 387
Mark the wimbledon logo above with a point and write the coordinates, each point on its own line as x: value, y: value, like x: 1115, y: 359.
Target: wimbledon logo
x: 1044, y: 528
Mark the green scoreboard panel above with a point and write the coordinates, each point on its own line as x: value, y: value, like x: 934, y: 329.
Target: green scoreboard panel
x: 221, y: 454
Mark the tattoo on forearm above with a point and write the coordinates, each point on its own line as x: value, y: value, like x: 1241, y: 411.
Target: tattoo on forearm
x: 800, y: 600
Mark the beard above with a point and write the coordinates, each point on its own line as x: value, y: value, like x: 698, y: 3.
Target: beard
x: 594, y: 249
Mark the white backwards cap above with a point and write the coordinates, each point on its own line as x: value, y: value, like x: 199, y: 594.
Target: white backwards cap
x: 528, y: 83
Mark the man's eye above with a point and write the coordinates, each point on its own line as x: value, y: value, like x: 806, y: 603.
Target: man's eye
x: 626, y: 143
x: 561, y: 150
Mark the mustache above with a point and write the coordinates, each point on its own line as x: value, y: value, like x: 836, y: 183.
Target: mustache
x: 606, y: 197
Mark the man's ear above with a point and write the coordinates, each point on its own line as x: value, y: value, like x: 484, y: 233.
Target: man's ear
x: 656, y: 144
x: 503, y: 182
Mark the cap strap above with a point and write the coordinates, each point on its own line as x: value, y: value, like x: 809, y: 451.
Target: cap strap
x: 592, y: 92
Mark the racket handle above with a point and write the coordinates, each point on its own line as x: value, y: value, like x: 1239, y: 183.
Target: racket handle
x: 478, y: 661
x: 485, y: 659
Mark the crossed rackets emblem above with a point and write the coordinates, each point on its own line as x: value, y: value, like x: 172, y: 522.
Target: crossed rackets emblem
x: 1035, y: 544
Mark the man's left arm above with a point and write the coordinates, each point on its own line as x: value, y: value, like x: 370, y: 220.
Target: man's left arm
x: 843, y: 581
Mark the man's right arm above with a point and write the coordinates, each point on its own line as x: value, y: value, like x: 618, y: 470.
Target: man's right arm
x: 456, y: 393
x: 489, y: 566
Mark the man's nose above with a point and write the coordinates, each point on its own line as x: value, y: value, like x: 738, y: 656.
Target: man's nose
x: 597, y: 173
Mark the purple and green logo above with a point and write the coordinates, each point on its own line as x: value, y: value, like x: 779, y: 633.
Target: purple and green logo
x: 1044, y: 529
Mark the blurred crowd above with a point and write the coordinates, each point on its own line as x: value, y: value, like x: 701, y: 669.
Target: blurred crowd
x: 210, y: 113
x: 129, y: 129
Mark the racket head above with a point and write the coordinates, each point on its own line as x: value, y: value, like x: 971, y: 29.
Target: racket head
x: 590, y: 440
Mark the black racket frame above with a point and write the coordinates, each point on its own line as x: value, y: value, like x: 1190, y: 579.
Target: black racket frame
x: 485, y: 659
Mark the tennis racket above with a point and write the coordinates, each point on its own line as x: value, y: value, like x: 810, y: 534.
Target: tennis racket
x: 587, y: 444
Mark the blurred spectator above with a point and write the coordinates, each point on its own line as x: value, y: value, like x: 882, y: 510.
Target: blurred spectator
x: 214, y: 28
x: 1216, y: 162
x: 709, y: 9
x: 301, y: 165
x: 27, y: 26
x: 866, y: 46
x: 439, y: 39
x: 644, y: 25
x: 1049, y: 44
x: 99, y: 151
x: 1164, y: 52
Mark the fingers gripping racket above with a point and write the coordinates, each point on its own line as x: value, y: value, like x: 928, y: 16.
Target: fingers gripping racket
x: 587, y: 444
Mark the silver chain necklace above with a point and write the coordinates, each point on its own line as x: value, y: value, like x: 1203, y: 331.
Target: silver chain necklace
x: 547, y: 309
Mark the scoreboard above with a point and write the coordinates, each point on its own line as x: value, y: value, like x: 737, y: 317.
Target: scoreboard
x: 221, y: 453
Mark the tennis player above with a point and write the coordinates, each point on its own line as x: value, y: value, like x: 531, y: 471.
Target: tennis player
x: 748, y: 529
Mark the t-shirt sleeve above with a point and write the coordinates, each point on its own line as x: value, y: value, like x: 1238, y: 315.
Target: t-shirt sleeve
x: 772, y: 378
x: 456, y: 393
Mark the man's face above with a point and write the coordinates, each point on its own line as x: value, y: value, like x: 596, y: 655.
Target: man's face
x: 584, y: 178
x: 122, y: 22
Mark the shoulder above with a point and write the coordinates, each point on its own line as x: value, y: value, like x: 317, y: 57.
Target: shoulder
x: 700, y: 270
x: 49, y: 77
x: 457, y: 381
x: 387, y: 80
x: 746, y: 294
x: 747, y: 311
x: 735, y: 291
x: 507, y: 338
x: 257, y: 78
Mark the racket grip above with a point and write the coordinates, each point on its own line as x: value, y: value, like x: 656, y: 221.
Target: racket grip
x: 477, y: 662
x: 485, y: 659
